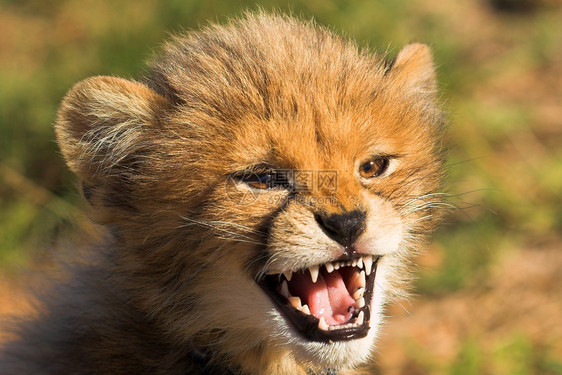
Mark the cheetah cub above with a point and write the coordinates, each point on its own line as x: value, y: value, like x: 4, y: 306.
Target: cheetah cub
x: 262, y: 191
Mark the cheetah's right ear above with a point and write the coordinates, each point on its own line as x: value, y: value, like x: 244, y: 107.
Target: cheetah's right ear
x: 102, y: 124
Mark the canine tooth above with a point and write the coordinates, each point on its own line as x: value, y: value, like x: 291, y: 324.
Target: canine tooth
x: 288, y: 275
x: 305, y: 309
x: 360, y: 303
x: 295, y: 302
x: 313, y: 273
x: 359, y: 293
x: 360, y: 318
x: 355, y: 280
x: 323, y: 325
x: 284, y: 289
x: 368, y: 261
x: 360, y: 262
x: 329, y: 267
x: 362, y: 279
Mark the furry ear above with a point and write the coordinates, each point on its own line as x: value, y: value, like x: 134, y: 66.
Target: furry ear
x: 413, y: 69
x: 101, y: 124
x: 104, y: 127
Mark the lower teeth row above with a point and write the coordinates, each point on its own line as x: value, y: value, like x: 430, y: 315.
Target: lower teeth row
x: 358, y: 322
x: 296, y: 303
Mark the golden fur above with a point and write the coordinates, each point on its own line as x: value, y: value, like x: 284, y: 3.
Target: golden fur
x: 185, y: 245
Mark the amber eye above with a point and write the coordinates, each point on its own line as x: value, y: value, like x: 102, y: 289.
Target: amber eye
x: 258, y: 181
x: 260, y: 177
x: 374, y: 167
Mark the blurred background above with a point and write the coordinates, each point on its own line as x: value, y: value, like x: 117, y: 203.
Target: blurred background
x: 488, y: 299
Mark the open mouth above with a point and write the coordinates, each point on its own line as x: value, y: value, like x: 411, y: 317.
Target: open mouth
x: 328, y: 302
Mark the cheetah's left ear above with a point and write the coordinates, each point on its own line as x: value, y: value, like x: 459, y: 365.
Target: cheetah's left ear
x: 414, y: 70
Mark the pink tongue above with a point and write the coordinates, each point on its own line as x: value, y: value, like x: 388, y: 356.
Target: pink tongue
x: 327, y: 297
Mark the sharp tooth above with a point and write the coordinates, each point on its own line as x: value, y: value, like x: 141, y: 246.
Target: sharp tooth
x: 305, y: 309
x: 337, y: 266
x: 360, y: 303
x: 295, y: 302
x: 288, y: 275
x: 368, y: 260
x: 359, y: 293
x: 314, y: 273
x: 355, y: 281
x: 284, y: 289
x: 362, y: 279
x: 322, y: 324
x: 329, y: 267
x: 360, y: 318
x: 360, y: 262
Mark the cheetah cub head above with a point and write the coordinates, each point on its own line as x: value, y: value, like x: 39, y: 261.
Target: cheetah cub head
x: 264, y: 186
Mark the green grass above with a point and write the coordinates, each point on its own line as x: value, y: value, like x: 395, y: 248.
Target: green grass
x: 512, y: 355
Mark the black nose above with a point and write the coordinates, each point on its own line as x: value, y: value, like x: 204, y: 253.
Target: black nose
x: 343, y: 228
